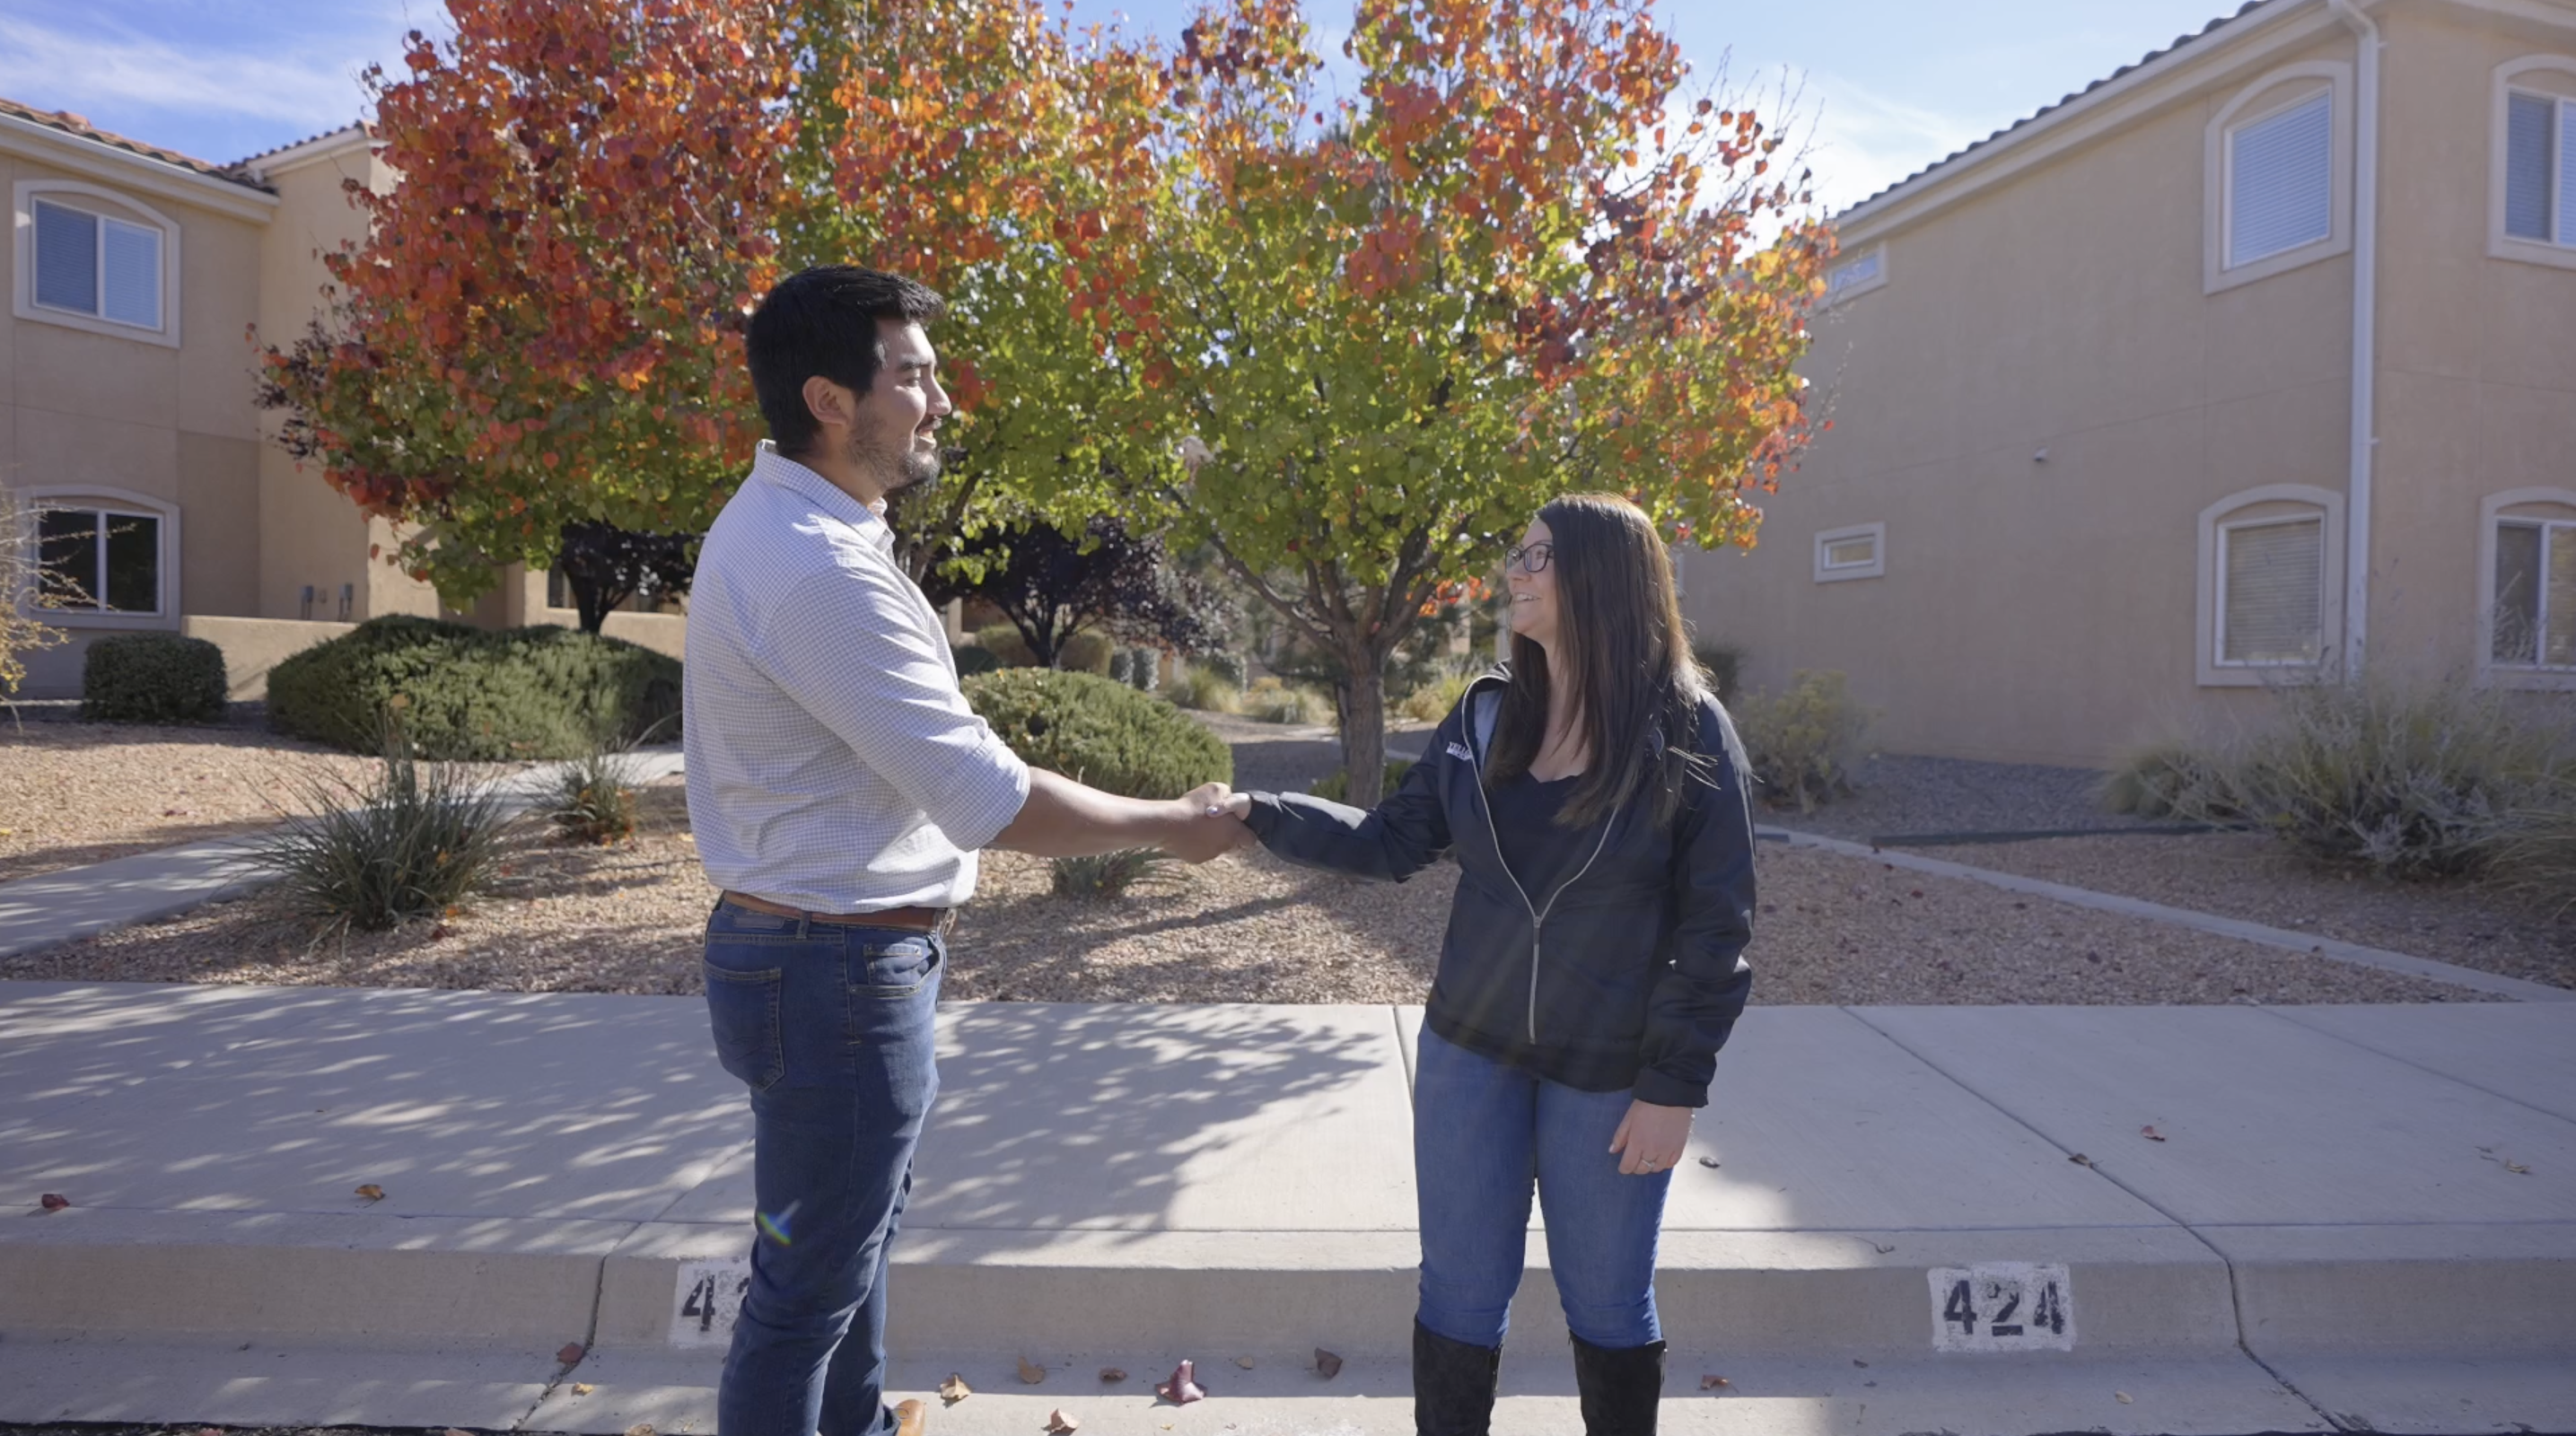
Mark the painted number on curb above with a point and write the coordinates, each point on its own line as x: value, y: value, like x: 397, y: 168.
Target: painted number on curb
x: 2002, y: 1306
x: 707, y: 1301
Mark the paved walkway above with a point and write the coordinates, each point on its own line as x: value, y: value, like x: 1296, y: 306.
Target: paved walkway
x: 2363, y: 1215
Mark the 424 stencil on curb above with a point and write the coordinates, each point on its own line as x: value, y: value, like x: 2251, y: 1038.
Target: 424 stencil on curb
x: 707, y: 1301
x: 2002, y: 1306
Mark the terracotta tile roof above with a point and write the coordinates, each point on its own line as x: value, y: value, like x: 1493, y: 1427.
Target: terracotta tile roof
x: 71, y: 124
x: 2180, y: 42
x: 250, y: 162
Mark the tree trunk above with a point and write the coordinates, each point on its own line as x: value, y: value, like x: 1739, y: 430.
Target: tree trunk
x: 1362, y: 701
x: 594, y: 603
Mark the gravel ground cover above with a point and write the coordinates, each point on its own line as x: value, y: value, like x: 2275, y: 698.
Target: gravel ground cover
x: 1247, y: 928
x: 2250, y: 876
x: 77, y: 793
x: 1898, y: 794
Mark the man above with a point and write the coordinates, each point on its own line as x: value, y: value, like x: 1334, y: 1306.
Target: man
x: 839, y: 788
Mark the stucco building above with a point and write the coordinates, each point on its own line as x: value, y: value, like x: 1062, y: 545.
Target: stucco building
x: 142, y: 282
x: 2253, y: 362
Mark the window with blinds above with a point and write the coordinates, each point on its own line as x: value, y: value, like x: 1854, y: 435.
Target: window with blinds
x: 2280, y: 181
x: 2540, y: 168
x: 2272, y: 603
x: 97, y: 265
x: 2535, y: 594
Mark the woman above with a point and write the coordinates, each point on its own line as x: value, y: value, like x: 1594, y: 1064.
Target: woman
x: 1593, y: 792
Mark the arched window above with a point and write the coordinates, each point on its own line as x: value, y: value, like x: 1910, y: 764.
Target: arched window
x: 2531, y: 171
x: 2271, y: 584
x: 104, y: 555
x: 90, y: 258
x: 2278, y: 162
x: 2527, y: 588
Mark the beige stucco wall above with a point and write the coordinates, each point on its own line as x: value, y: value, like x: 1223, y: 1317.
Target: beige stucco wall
x: 2049, y: 611
x: 106, y: 411
x: 253, y: 646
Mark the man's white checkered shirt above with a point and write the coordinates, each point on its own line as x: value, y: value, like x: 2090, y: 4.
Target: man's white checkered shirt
x: 832, y: 763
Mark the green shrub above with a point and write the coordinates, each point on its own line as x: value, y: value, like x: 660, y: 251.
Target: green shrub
x: 1337, y: 787
x: 1724, y: 665
x: 1271, y: 701
x: 2535, y: 847
x: 477, y: 695
x: 1003, y: 641
x: 974, y: 658
x: 415, y: 842
x: 1085, y: 652
x: 1110, y: 875
x: 152, y: 678
x: 1099, y: 732
x: 595, y: 799
x: 2149, y: 782
x: 1433, y: 701
x: 1802, y: 744
x: 2407, y: 779
x: 1203, y: 688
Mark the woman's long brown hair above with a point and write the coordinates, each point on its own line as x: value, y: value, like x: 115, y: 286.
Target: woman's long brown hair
x: 1620, y: 642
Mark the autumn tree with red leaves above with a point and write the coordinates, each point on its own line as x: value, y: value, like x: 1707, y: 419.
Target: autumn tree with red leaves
x: 1521, y: 262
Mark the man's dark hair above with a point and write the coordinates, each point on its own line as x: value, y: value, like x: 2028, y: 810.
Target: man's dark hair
x: 824, y: 321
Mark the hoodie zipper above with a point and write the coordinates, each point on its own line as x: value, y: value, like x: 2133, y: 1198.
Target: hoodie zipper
x: 1538, y: 915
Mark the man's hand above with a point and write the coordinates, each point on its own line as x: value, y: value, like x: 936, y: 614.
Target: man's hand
x: 1650, y: 1138
x: 1204, y: 827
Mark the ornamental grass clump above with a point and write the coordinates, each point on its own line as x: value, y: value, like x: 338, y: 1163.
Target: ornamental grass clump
x: 595, y: 799
x: 414, y: 842
x: 2407, y: 779
x: 1111, y: 875
x: 1204, y: 689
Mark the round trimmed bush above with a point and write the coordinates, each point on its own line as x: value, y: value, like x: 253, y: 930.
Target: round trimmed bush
x: 475, y: 694
x: 1100, y: 732
x: 152, y: 678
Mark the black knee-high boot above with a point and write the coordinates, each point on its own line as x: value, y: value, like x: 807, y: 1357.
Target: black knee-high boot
x: 1621, y: 1387
x: 1453, y: 1385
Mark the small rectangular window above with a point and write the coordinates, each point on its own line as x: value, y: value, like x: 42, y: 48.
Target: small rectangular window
x: 1849, y: 276
x: 2281, y: 181
x: 2275, y: 595
x: 99, y: 561
x: 1856, y: 552
x: 2530, y: 148
x: 66, y: 258
x: 2567, y: 172
x: 2517, y: 593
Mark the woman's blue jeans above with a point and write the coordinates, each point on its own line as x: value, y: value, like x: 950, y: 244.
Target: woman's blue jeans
x: 1482, y: 1133
x: 830, y: 1028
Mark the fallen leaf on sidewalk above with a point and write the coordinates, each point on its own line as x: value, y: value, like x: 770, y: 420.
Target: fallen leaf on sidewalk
x: 642, y: 1428
x: 1329, y: 1363
x: 1111, y: 1376
x: 1184, y: 1386
x: 1031, y: 1372
x: 372, y: 1192
x: 1244, y: 1361
x: 450, y: 1431
x: 2517, y: 1167
x: 1884, y: 1247
x: 581, y: 1388
x: 1708, y: 1161
x: 1061, y: 1423
x: 569, y: 1352
x: 2081, y: 1160
x: 2124, y: 1398
x: 955, y: 1389
x: 2151, y: 1134
x: 1714, y: 1383
x: 53, y: 1201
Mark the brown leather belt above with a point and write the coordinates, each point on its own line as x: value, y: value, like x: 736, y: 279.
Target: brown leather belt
x: 911, y: 919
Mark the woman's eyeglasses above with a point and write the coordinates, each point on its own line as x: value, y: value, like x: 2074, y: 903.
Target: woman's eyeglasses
x: 1529, y: 558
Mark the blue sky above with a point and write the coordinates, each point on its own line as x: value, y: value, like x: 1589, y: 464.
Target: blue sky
x: 1883, y: 87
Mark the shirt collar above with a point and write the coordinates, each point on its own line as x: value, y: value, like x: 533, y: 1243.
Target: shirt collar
x: 827, y: 497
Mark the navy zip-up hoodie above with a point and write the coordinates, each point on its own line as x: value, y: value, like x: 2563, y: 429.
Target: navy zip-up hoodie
x: 1630, y: 973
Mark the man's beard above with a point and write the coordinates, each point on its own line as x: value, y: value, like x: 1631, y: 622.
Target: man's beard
x: 911, y: 468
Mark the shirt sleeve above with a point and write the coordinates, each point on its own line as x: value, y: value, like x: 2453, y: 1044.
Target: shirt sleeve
x: 848, y: 647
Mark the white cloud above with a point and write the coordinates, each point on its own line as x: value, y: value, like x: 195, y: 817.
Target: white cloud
x: 1859, y: 142
x: 309, y: 89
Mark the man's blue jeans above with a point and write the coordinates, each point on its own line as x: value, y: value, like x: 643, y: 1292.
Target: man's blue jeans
x: 1482, y: 1132
x: 830, y: 1028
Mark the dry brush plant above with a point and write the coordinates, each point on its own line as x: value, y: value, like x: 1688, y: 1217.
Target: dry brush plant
x: 1803, y: 743
x: 22, y: 587
x: 413, y: 842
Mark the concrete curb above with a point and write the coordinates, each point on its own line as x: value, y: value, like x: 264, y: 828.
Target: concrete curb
x: 2282, y: 938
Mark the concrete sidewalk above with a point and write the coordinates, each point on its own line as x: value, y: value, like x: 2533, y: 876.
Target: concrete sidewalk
x: 2362, y: 1216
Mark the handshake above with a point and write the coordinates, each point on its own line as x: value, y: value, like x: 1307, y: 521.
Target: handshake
x: 1209, y: 824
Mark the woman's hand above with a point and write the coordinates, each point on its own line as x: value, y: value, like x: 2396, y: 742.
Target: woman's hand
x: 1650, y: 1138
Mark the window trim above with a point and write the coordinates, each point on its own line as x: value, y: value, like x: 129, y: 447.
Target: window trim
x: 117, y: 206
x: 2218, y: 162
x: 165, y: 614
x: 2492, y: 515
x: 1859, y: 287
x: 2560, y: 254
x: 1838, y: 573
x: 2211, y: 609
